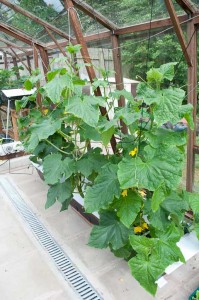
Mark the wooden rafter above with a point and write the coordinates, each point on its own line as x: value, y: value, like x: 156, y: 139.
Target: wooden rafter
x: 187, y: 6
x: 19, y: 34
x: 178, y: 30
x: 87, y: 9
x: 13, y: 45
x: 147, y: 25
x: 34, y: 18
x: 55, y: 41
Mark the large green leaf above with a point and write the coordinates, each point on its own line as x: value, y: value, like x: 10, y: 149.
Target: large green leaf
x: 161, y: 167
x: 41, y: 131
x: 55, y: 87
x: 128, y: 207
x: 158, y: 196
x: 84, y: 109
x: 54, y: 168
x: 166, y: 246
x: 61, y: 192
x: 168, y: 70
x: 142, y: 244
x: 88, y: 132
x: 105, y: 188
x: 93, y: 160
x: 146, y: 271
x: 118, y: 93
x: 128, y: 115
x: 168, y: 108
x: 160, y: 219
x: 160, y: 136
x: 110, y: 231
x: 154, y: 255
x: 171, y: 209
x: 193, y: 200
x: 147, y: 94
x: 106, y: 135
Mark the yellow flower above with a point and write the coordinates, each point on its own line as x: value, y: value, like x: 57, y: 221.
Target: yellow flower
x: 124, y: 193
x: 45, y: 111
x: 133, y: 152
x: 145, y: 226
x: 138, y: 229
x: 142, y: 193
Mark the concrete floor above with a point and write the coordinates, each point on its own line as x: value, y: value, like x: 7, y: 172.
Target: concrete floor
x: 27, y: 273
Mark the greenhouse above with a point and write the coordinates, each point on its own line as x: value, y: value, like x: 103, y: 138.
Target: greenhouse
x: 99, y: 149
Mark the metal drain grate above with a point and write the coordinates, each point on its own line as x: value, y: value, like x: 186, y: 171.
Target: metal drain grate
x: 70, y: 273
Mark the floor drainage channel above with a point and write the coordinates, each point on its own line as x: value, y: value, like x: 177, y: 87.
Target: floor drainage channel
x: 68, y: 270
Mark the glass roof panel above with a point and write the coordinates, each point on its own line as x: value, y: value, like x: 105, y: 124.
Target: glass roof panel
x: 129, y: 12
x: 196, y: 2
x: 122, y: 13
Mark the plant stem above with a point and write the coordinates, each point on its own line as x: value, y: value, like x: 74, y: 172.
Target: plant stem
x: 56, y: 147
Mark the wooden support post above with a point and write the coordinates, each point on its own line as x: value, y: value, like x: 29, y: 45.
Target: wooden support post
x: 192, y: 98
x: 44, y: 59
x: 178, y: 30
x: 118, y: 74
x: 85, y: 55
x: 187, y: 6
x: 29, y: 62
x: 19, y: 58
x: 36, y: 65
x: 16, y: 66
x: 5, y: 60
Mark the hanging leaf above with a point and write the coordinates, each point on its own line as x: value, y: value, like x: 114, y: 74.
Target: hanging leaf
x: 146, y: 271
x: 193, y: 200
x: 129, y: 116
x: 54, y: 168
x: 84, y: 109
x: 41, y: 131
x: 128, y: 207
x: 168, y: 108
x: 154, y: 255
x: 105, y: 188
x: 160, y: 136
x: 61, y: 192
x: 109, y: 231
x: 150, y: 173
x: 159, y: 196
x: 55, y: 87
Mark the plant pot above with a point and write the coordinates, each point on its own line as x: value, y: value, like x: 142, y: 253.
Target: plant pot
x: 193, y: 294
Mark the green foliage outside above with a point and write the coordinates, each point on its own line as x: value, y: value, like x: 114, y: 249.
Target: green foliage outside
x: 8, y: 79
x: 136, y: 189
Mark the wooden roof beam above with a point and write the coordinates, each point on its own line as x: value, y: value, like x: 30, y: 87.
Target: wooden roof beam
x: 10, y: 44
x: 34, y: 18
x: 87, y: 9
x: 178, y: 30
x: 146, y: 26
x: 187, y: 6
x: 19, y: 35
